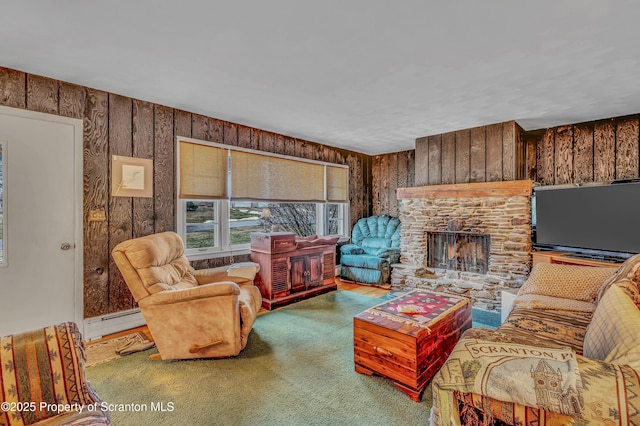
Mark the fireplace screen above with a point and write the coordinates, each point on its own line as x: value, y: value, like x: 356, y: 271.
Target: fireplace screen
x: 458, y: 251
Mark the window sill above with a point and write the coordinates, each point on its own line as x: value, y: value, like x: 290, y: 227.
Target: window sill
x: 216, y: 254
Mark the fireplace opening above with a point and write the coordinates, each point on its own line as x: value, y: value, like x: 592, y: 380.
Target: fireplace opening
x: 458, y: 251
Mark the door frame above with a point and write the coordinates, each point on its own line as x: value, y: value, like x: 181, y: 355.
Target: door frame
x: 78, y: 239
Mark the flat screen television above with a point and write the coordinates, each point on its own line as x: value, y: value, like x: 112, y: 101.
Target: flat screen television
x: 600, y: 218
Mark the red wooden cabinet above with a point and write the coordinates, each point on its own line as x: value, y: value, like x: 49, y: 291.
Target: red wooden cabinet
x: 296, y: 274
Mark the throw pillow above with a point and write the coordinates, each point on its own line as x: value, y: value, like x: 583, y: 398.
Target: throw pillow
x: 630, y: 270
x: 567, y: 281
x: 612, y: 334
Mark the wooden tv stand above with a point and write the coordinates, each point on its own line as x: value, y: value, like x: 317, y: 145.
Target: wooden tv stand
x: 565, y: 258
x: 288, y: 274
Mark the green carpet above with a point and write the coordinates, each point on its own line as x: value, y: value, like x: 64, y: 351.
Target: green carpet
x: 297, y: 369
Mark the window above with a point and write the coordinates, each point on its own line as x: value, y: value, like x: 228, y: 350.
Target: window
x: 3, y: 204
x: 227, y: 193
x: 201, y: 227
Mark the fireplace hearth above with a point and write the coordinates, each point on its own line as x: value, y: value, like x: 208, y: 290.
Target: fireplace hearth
x: 458, y: 251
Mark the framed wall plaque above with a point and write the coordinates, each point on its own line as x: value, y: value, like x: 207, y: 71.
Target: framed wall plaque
x: 131, y: 177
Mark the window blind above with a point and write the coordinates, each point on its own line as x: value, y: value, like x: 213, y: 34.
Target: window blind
x: 337, y: 184
x: 203, y: 171
x: 263, y: 177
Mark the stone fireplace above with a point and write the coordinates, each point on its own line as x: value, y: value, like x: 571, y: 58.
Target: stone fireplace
x: 470, y: 239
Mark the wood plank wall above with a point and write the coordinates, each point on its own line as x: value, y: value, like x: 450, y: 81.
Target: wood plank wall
x: 390, y: 172
x: 593, y: 151
x: 482, y: 154
x: 586, y: 152
x: 115, y: 124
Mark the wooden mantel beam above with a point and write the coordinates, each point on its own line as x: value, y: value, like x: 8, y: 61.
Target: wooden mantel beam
x: 468, y: 190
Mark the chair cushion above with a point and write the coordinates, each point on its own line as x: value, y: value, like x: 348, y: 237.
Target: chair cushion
x: 364, y: 261
x: 159, y: 262
x: 383, y: 226
x: 538, y: 301
x: 612, y: 334
x: 373, y: 245
x: 567, y: 281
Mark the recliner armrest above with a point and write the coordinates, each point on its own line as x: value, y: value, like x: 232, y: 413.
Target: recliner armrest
x: 240, y: 273
x: 351, y: 249
x: 224, y: 288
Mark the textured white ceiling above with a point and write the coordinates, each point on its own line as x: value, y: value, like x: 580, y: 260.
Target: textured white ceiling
x: 366, y: 75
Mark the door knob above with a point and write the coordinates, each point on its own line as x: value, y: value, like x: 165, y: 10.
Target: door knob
x: 65, y: 246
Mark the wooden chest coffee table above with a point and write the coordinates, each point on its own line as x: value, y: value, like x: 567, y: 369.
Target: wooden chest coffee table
x: 408, y: 339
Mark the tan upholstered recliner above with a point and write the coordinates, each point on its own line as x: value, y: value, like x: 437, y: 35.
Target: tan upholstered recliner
x: 190, y: 313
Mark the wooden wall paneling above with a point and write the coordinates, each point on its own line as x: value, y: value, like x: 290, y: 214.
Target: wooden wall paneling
x: 71, y: 100
x: 411, y: 168
x: 583, y: 153
x: 164, y: 169
x: 256, y: 135
x: 627, y: 149
x: 494, y: 155
x: 333, y: 156
x: 375, y: 183
x: 120, y: 208
x: 95, y: 194
x: 435, y: 160
x: 290, y: 146
x: 244, y: 136
x: 307, y: 150
x: 604, y: 152
x: 143, y: 209
x: 279, y: 144
x: 355, y: 188
x: 13, y: 88
x: 520, y: 161
x: 392, y: 183
x: 402, y: 175
x: 448, y: 167
x: 42, y: 94
x: 384, y: 184
x: 200, y: 127
x: 477, y: 155
x: 545, y: 158
x: 216, y: 130
x: 268, y: 142
x: 182, y: 122
x: 230, y: 133
x: 531, y: 142
x: 422, y: 161
x: 463, y: 148
x: 511, y: 152
x: 563, y: 162
x: 367, y: 172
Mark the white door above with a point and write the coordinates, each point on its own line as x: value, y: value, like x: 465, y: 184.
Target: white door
x: 41, y: 265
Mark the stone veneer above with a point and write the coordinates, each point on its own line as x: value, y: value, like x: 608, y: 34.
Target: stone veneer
x: 500, y: 209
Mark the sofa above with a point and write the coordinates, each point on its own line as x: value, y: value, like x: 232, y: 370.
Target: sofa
x: 374, y: 247
x: 567, y: 354
x: 42, y: 379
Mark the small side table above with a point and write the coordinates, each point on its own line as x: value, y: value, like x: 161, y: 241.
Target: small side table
x: 408, y: 339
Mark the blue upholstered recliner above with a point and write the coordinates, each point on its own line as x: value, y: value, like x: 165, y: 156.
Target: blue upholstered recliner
x: 375, y: 245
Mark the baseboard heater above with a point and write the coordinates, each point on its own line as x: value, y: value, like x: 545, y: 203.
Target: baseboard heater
x: 97, y: 327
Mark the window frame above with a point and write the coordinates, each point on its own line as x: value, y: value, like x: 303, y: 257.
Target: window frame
x: 223, y: 206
